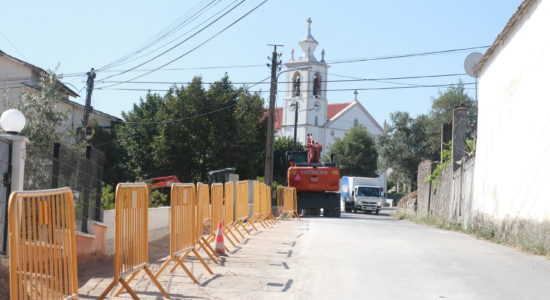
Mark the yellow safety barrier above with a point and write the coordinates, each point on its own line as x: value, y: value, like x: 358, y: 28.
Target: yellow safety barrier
x: 229, y: 211
x: 241, y: 209
x: 42, y: 245
x: 204, y: 221
x: 268, y: 214
x: 216, y: 196
x: 280, y: 195
x: 131, y: 238
x: 257, y: 204
x: 183, y: 238
x: 290, y: 203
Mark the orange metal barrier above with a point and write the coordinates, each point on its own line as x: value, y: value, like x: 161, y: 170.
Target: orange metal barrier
x: 257, y: 204
x: 203, y: 221
x: 290, y: 203
x: 217, y: 212
x: 42, y: 245
x: 280, y: 202
x: 131, y: 237
x: 229, y: 212
x: 183, y: 238
x: 241, y: 209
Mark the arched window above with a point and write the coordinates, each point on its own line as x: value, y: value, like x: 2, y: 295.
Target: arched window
x: 296, y: 84
x: 317, y: 85
x: 316, y: 121
x: 355, y: 122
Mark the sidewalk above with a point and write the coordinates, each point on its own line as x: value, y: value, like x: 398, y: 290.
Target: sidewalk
x: 263, y: 267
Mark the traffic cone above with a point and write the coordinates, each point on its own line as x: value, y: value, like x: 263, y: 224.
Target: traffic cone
x: 219, y: 247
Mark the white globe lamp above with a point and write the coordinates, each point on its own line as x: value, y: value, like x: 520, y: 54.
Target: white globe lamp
x: 12, y: 121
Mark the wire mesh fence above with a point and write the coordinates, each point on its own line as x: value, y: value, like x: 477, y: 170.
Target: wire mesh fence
x: 80, y: 168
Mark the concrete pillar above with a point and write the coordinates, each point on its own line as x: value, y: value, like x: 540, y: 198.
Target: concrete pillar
x: 460, y: 124
x: 18, y: 150
x: 446, y: 136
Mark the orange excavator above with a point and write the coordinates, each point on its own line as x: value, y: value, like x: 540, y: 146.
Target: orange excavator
x: 317, y: 183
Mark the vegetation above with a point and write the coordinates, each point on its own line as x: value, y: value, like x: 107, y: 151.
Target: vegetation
x: 192, y: 130
x: 356, y: 153
x: 407, y: 141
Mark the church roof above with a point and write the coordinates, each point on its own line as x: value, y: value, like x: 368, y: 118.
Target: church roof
x: 335, y: 108
x: 332, y: 110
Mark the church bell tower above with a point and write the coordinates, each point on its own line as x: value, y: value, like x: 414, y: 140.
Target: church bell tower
x: 306, y: 91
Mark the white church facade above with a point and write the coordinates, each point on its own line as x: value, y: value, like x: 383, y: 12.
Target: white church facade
x: 307, y: 94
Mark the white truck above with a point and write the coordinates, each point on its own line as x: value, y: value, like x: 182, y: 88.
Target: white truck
x: 363, y: 193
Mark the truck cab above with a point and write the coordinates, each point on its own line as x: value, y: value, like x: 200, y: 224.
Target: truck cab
x: 368, y: 198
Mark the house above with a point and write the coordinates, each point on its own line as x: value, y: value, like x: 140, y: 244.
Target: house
x: 307, y: 97
x: 512, y: 163
x: 18, y: 76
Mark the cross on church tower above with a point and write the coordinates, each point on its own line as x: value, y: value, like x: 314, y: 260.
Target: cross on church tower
x: 355, y: 93
x: 309, y: 21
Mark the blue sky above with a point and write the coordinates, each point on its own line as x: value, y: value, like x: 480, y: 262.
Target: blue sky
x: 79, y: 35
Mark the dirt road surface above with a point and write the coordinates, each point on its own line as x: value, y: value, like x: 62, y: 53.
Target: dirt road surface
x: 358, y: 256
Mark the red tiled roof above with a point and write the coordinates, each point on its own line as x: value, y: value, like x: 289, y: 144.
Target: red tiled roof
x: 332, y: 110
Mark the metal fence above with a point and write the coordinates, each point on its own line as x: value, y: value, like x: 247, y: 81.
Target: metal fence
x: 5, y: 157
x: 81, y: 169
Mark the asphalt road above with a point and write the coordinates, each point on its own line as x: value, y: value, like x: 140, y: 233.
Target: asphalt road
x: 363, y: 256
x: 358, y: 256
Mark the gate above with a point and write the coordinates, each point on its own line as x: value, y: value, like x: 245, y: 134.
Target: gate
x: 5, y: 173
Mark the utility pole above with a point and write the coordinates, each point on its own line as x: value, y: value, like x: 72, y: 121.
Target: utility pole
x: 275, y: 66
x: 88, y: 106
x: 296, y: 107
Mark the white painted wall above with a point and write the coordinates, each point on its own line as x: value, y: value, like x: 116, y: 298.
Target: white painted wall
x: 512, y: 173
x: 159, y: 226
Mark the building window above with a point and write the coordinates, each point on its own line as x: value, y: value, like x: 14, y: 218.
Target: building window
x: 317, y: 85
x: 332, y: 133
x: 316, y: 121
x: 296, y: 84
x: 355, y: 122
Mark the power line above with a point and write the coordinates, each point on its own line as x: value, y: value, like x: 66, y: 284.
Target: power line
x: 185, y: 33
x: 352, y: 79
x: 178, y: 44
x: 325, y: 90
x: 173, y: 27
x: 344, y: 61
x: 263, y: 65
x: 12, y: 45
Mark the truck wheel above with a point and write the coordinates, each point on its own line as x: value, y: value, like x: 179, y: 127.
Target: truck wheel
x: 327, y: 212
x: 377, y: 211
x: 337, y: 213
x: 347, y: 209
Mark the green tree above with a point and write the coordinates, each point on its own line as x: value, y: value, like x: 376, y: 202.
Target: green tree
x: 356, y: 153
x: 282, y: 145
x: 191, y: 130
x: 403, y: 145
x: 441, y: 112
x: 41, y: 110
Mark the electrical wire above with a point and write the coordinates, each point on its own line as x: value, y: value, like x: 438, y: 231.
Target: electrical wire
x: 344, y: 61
x: 351, y: 79
x: 178, y: 44
x: 173, y: 27
x: 320, y: 90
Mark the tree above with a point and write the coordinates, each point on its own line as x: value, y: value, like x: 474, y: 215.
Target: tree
x: 442, y: 112
x: 356, y: 153
x: 404, y: 144
x: 282, y: 145
x: 191, y: 130
x: 44, y: 127
x: 44, y: 118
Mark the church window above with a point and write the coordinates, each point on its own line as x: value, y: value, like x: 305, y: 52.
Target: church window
x: 317, y: 85
x: 316, y: 121
x: 296, y: 84
x: 355, y: 122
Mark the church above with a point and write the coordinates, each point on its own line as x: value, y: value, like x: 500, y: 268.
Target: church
x: 306, y: 103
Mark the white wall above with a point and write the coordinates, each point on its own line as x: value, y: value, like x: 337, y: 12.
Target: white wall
x: 512, y: 173
x: 159, y: 226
